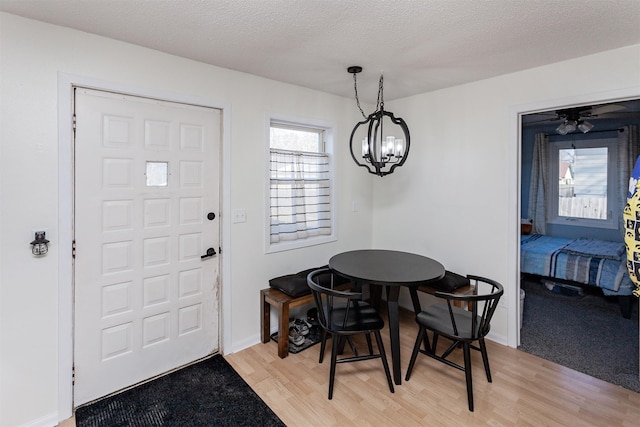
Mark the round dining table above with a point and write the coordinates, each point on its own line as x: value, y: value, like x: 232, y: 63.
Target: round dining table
x: 390, y: 269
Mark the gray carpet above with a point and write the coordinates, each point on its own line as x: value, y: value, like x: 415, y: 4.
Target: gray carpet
x: 586, y: 333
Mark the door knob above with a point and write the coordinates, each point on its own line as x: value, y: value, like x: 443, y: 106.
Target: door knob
x: 211, y: 216
x: 210, y: 252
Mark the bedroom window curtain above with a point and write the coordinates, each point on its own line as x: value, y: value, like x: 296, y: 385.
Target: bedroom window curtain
x: 539, y: 184
x: 300, y: 195
x: 628, y: 152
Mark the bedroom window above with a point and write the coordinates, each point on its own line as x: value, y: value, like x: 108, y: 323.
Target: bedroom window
x: 300, y: 198
x: 584, y: 189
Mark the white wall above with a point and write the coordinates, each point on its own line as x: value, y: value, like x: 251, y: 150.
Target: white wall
x: 456, y: 197
x: 33, y: 56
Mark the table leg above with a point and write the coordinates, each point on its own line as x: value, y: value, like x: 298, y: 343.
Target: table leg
x: 376, y: 296
x: 393, y: 292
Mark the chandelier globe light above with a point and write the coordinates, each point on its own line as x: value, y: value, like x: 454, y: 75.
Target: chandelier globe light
x: 380, y: 143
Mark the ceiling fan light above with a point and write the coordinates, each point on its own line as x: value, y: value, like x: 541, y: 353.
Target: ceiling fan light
x: 562, y: 129
x: 585, y: 126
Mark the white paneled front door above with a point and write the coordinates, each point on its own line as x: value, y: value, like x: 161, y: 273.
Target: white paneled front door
x: 146, y: 215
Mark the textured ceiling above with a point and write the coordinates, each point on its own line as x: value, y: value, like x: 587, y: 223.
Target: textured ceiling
x: 420, y: 45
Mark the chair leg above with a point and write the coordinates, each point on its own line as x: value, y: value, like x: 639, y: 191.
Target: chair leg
x: 427, y: 345
x: 368, y: 336
x: 434, y: 347
x: 342, y: 340
x: 467, y: 371
x: 416, y: 350
x: 453, y: 346
x: 332, y: 370
x: 383, y: 356
x: 353, y: 347
x: 323, y: 345
x: 485, y: 358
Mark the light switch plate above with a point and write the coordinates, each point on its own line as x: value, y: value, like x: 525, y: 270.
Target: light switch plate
x: 239, y: 215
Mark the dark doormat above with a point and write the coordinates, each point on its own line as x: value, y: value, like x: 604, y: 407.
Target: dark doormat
x: 208, y: 393
x: 314, y: 337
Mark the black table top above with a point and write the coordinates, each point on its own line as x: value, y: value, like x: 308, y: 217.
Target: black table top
x: 385, y: 267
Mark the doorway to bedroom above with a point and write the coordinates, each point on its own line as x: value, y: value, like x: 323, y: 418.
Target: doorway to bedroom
x: 571, y: 312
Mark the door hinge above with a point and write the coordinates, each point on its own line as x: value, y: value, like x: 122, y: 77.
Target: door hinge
x: 73, y: 123
x: 73, y: 249
x: 73, y: 375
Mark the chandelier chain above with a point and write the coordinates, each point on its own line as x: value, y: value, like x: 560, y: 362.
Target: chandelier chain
x: 373, y: 146
x: 379, y: 102
x: 355, y: 87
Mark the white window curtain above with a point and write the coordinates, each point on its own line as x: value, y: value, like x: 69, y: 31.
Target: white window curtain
x: 539, y: 184
x: 628, y: 151
x: 300, y: 195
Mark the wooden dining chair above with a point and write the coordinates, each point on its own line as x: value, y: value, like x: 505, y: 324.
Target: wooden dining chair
x: 462, y: 327
x: 343, y: 314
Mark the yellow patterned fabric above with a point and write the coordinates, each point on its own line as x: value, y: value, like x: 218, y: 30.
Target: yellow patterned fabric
x: 631, y: 216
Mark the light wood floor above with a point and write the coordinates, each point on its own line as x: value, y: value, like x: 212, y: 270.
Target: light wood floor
x: 526, y: 390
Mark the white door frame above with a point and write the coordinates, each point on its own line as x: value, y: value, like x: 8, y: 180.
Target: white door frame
x: 66, y: 82
x: 514, y: 173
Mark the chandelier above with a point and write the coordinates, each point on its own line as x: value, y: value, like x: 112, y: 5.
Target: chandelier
x: 381, y: 140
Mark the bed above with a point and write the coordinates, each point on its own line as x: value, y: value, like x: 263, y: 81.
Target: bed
x: 579, y: 261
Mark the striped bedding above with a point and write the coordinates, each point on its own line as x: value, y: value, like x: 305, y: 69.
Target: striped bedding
x: 556, y: 257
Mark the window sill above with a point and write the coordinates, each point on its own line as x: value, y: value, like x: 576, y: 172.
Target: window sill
x: 591, y: 223
x: 298, y: 244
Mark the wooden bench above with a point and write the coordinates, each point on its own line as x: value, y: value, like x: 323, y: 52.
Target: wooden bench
x: 282, y: 303
x: 464, y: 290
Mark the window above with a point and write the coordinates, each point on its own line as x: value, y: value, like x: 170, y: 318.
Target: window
x: 300, y: 205
x: 584, y: 190
x: 157, y: 174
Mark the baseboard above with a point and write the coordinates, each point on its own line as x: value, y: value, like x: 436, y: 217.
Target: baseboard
x: 246, y: 343
x: 46, y: 421
x: 498, y: 338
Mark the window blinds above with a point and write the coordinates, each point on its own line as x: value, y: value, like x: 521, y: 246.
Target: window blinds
x: 300, y: 195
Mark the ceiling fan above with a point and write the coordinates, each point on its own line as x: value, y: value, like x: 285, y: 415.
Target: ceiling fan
x: 576, y: 117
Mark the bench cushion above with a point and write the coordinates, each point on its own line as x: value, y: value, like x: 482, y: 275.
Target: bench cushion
x: 450, y: 282
x: 295, y: 285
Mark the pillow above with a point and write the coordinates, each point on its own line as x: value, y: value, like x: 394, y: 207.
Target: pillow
x: 291, y: 285
x: 295, y: 285
x: 450, y: 282
x: 323, y: 279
